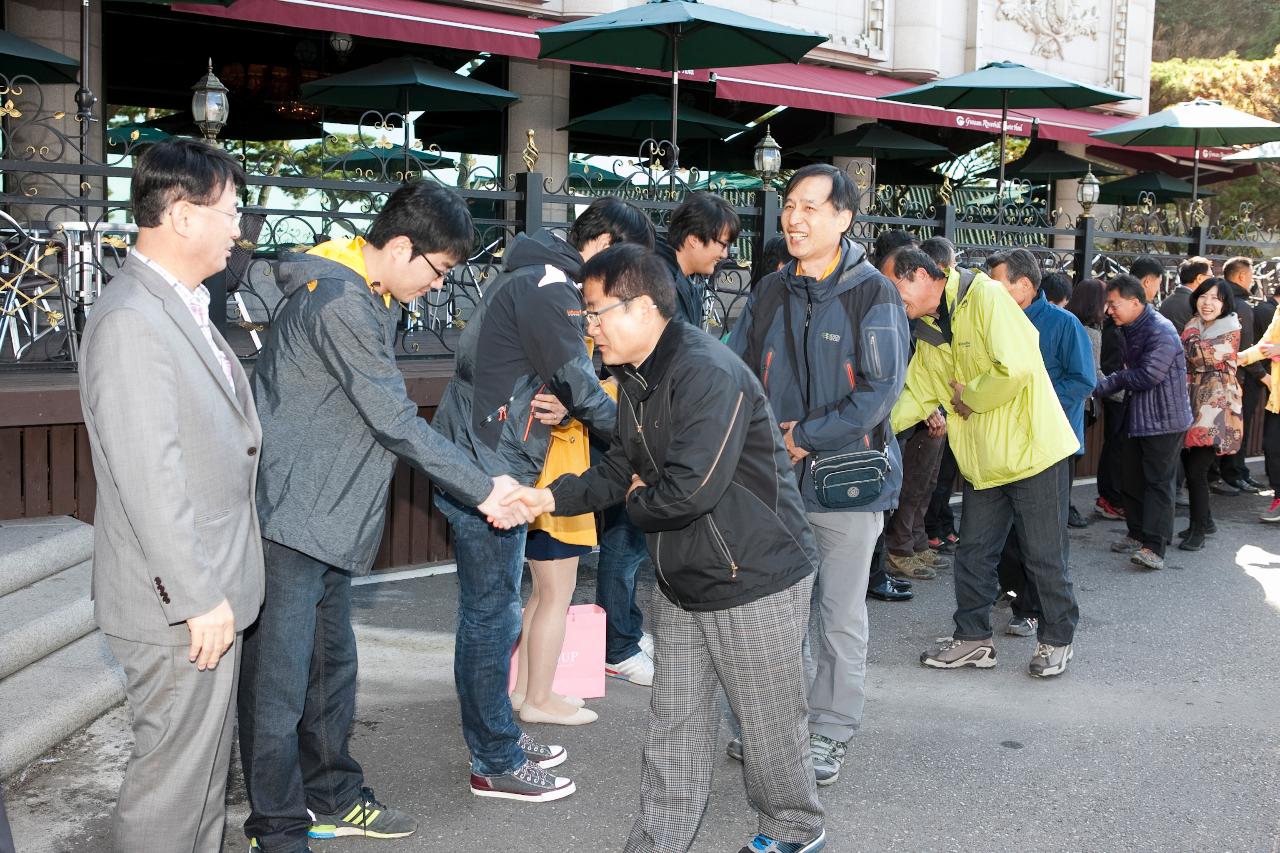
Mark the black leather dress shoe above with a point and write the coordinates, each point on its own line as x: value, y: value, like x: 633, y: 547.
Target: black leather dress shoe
x: 1247, y: 486
x: 1222, y: 487
x: 900, y: 583
x: 888, y: 592
x: 1257, y: 487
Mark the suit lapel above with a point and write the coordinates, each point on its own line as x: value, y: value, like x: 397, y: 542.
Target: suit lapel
x: 181, y: 316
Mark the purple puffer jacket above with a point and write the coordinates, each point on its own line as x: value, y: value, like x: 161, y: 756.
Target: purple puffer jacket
x: 1154, y: 374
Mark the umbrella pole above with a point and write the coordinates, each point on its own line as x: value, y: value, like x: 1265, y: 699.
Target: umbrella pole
x: 406, y: 134
x: 675, y: 106
x: 1195, y: 170
x: 1004, y: 123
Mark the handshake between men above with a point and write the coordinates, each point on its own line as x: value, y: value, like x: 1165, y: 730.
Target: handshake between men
x: 516, y: 504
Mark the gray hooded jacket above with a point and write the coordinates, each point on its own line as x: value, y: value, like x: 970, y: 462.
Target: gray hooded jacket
x: 335, y: 416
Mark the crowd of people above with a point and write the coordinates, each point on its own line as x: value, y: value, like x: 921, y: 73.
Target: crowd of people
x: 776, y: 480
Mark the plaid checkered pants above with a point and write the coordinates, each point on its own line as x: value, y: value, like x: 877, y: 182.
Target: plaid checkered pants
x: 754, y: 652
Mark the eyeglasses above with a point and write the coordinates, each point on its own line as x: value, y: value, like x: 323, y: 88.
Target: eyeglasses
x: 439, y: 275
x: 235, y: 217
x: 593, y: 317
x: 723, y: 244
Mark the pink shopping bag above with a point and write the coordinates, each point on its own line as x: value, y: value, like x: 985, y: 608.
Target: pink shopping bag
x: 581, y: 669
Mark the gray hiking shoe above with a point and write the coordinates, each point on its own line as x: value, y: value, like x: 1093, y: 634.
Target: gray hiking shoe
x: 933, y: 559
x: 1127, y: 545
x: 1022, y: 626
x: 951, y: 653
x: 1147, y: 559
x: 1050, y: 660
x: 909, y: 567
x: 827, y: 755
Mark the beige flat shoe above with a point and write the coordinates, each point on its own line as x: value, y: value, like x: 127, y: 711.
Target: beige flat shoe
x: 571, y: 700
x: 517, y: 700
x: 580, y: 717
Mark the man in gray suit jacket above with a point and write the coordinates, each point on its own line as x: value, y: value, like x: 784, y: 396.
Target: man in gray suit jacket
x: 177, y: 562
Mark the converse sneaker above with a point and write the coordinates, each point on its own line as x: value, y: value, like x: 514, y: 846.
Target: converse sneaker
x: 951, y: 653
x: 827, y: 755
x: 1272, y: 515
x: 528, y: 783
x: 638, y: 669
x: 545, y: 755
x: 909, y: 567
x: 365, y: 817
x: 1022, y: 626
x: 765, y: 844
x: 1050, y: 660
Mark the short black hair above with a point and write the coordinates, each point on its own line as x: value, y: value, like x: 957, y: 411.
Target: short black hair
x: 1019, y: 263
x: 621, y: 220
x: 1056, y: 286
x: 1191, y: 269
x: 628, y: 270
x: 942, y: 250
x: 179, y: 169
x: 1144, y: 266
x: 994, y: 260
x: 1236, y: 263
x: 889, y: 241
x: 844, y: 195
x: 703, y: 215
x: 1225, y: 294
x: 1128, y: 286
x: 907, y: 260
x: 432, y: 216
x: 772, y: 254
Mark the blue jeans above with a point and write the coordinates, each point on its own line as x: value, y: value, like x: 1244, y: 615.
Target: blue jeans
x: 622, y: 551
x: 1036, y: 507
x: 297, y: 699
x: 490, y: 564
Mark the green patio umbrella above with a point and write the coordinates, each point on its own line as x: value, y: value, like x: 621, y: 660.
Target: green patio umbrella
x: 245, y: 124
x: 728, y: 181
x: 1007, y: 85
x: 1160, y: 186
x: 126, y: 135
x: 595, y: 176
x: 635, y: 119
x: 378, y: 157
x: 1268, y: 152
x: 874, y: 140
x: 1194, y: 124
x: 1049, y: 164
x: 406, y: 84
x: 675, y: 36
x: 19, y: 57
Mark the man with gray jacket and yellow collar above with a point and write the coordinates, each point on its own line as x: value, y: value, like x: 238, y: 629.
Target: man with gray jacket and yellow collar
x: 827, y: 335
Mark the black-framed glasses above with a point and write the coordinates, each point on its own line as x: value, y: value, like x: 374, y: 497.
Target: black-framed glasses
x: 439, y: 275
x: 727, y: 245
x: 235, y: 217
x: 593, y: 317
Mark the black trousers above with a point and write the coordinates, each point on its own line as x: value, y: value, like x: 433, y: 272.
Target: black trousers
x: 1196, y: 461
x: 1234, y: 467
x: 1271, y: 448
x: 939, y: 520
x: 1113, y: 439
x: 1147, y: 471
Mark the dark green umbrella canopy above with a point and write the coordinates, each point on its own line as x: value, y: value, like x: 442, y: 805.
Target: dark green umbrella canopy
x: 1194, y: 124
x: 877, y: 141
x: 405, y: 84
x: 1160, y: 186
x: 675, y: 35
x: 594, y: 176
x: 1049, y: 164
x: 637, y: 118
x: 1007, y: 85
x: 19, y: 57
x: 247, y: 124
x: 127, y: 135
x: 379, y: 159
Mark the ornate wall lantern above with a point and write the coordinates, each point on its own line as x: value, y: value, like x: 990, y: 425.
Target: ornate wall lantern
x: 210, y: 105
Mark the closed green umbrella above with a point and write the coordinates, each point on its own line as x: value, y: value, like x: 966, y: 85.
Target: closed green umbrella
x: 19, y: 57
x: 1158, y: 185
x: 675, y: 36
x: 1007, y: 85
x: 1193, y: 124
x: 635, y: 120
x: 876, y: 141
x: 406, y: 84
x: 1049, y: 164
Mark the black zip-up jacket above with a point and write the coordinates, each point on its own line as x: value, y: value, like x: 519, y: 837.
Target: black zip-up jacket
x: 723, y: 519
x: 524, y: 338
x: 1248, y: 337
x: 689, y: 291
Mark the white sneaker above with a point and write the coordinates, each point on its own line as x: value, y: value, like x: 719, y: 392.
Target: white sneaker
x: 646, y: 643
x: 638, y: 669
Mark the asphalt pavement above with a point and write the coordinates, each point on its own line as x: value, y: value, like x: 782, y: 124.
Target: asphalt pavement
x: 1163, y: 735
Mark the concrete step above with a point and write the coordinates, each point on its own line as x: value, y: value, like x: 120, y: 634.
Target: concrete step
x: 41, y: 618
x: 32, y: 549
x: 48, y: 701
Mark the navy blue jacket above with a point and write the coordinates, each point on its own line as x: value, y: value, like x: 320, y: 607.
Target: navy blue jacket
x: 1068, y: 357
x: 851, y: 370
x: 1154, y: 374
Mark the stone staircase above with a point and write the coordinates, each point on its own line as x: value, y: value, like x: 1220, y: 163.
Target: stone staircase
x: 56, y: 672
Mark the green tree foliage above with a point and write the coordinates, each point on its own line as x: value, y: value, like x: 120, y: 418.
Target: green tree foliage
x: 1194, y: 28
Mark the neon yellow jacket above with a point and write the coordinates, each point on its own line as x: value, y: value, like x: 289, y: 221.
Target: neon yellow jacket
x: 1252, y: 354
x: 1017, y: 428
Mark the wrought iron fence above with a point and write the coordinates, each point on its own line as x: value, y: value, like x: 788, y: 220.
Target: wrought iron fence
x: 65, y: 224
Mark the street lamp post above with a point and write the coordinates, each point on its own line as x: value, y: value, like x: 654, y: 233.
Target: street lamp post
x: 209, y: 105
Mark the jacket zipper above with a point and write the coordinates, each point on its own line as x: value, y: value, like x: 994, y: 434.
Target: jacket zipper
x: 724, y: 547
x: 875, y: 353
x: 529, y: 425
x: 638, y: 415
x: 808, y: 315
